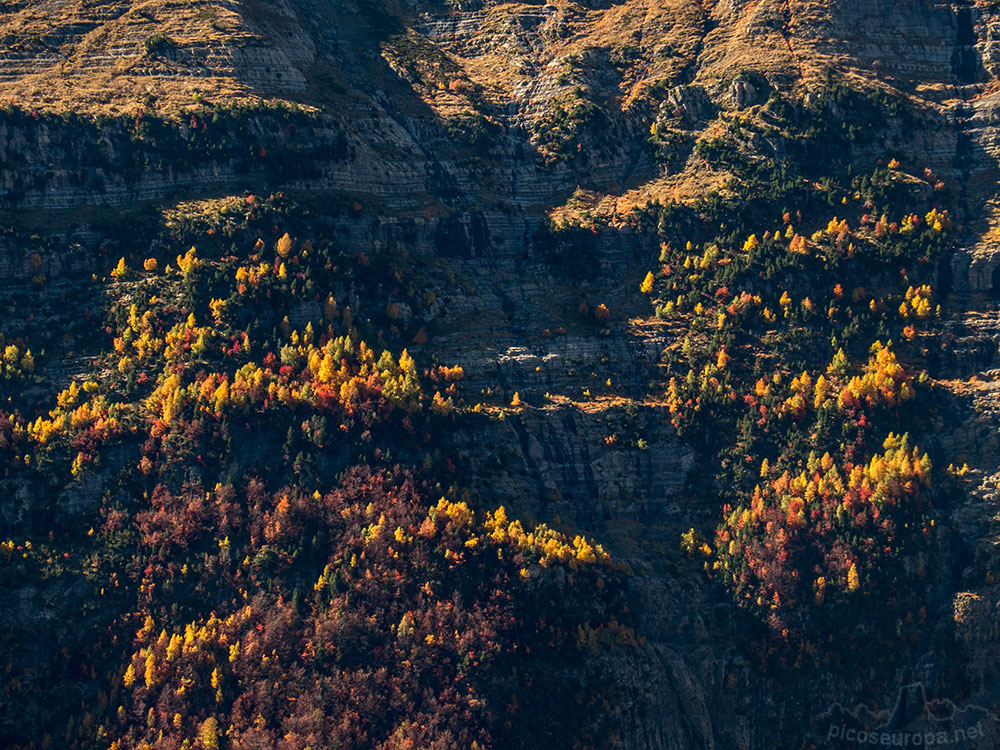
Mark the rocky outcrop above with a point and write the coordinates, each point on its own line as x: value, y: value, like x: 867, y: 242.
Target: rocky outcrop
x: 558, y: 462
x: 52, y: 163
x: 655, y: 683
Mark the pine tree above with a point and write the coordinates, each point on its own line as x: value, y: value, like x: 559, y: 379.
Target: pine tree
x: 330, y: 308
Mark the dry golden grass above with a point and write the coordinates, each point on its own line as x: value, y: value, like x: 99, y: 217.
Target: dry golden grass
x: 509, y: 61
x: 123, y: 56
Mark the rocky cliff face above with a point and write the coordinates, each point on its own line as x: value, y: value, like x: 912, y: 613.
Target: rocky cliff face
x: 445, y: 136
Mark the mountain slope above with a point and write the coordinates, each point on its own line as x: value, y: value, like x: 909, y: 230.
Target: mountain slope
x: 486, y: 185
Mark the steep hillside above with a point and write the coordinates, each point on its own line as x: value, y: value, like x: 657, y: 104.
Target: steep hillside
x: 478, y: 374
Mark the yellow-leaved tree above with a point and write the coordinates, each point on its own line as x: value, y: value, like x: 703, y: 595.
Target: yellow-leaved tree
x: 647, y: 283
x: 284, y: 245
x: 208, y: 734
